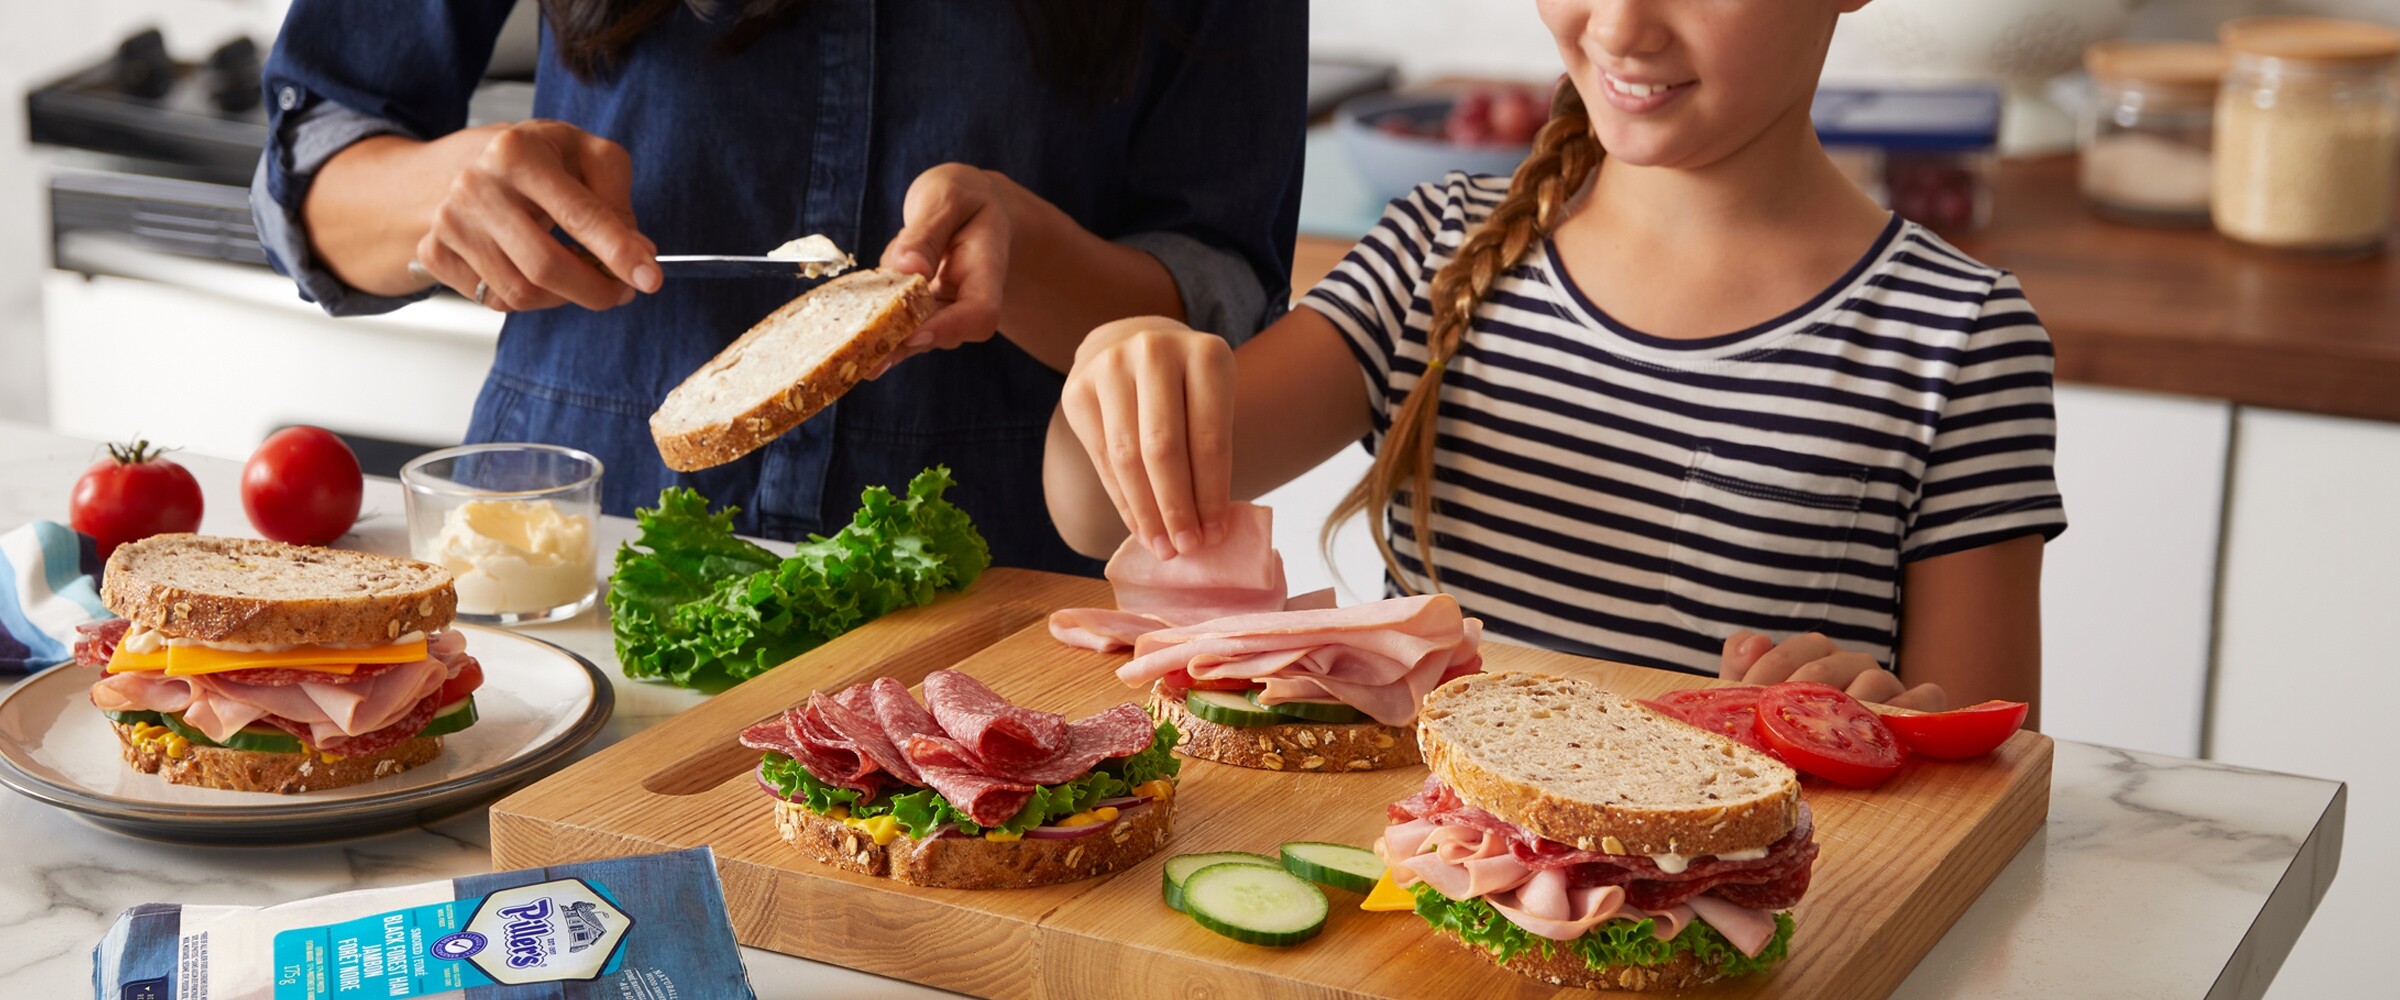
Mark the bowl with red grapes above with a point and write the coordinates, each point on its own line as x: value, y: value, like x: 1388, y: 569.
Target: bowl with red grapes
x: 1397, y: 141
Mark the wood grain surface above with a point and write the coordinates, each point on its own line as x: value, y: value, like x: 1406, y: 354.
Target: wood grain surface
x: 1899, y: 864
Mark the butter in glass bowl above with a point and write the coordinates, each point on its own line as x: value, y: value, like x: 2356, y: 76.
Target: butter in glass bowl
x: 513, y: 523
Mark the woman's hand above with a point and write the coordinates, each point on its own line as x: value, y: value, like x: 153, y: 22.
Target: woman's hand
x: 1751, y: 658
x: 490, y: 235
x: 955, y: 232
x: 1151, y: 400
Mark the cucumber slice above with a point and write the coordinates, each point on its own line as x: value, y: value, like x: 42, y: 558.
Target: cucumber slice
x: 453, y: 717
x: 1255, y: 905
x: 1181, y: 867
x: 1229, y: 708
x: 1338, y: 865
x: 1311, y: 711
x: 257, y: 737
x: 132, y: 718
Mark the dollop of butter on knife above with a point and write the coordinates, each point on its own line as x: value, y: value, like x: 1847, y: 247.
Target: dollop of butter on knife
x: 819, y: 257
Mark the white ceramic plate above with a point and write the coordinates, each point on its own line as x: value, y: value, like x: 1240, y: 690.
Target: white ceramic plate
x: 538, y: 703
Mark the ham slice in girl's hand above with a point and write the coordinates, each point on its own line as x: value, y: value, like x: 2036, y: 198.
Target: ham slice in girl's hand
x: 1380, y: 658
x: 1242, y: 574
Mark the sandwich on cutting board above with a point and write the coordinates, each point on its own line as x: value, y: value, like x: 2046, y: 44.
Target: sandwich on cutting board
x: 257, y: 666
x: 965, y: 790
x: 1573, y: 835
x: 793, y: 363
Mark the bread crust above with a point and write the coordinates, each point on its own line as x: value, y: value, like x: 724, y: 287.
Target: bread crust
x: 1565, y: 968
x: 1323, y: 747
x: 716, y: 444
x: 973, y: 862
x: 1739, y: 824
x: 398, y: 596
x: 284, y: 773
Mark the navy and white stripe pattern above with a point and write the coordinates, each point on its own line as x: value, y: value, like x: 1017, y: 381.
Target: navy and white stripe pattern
x: 1606, y: 492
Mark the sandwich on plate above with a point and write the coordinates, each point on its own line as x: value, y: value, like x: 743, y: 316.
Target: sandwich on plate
x: 1573, y: 835
x: 965, y: 790
x: 1320, y: 690
x: 263, y: 667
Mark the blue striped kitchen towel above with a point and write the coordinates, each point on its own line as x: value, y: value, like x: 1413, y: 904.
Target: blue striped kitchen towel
x: 49, y: 583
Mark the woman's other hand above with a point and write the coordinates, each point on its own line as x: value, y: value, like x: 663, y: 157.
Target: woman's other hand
x: 955, y: 232
x: 1151, y: 400
x: 1751, y: 658
x: 491, y: 230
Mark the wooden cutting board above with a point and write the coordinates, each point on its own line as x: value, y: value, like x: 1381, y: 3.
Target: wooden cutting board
x: 1898, y: 864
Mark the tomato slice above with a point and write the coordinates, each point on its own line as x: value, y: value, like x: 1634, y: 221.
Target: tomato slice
x: 1823, y: 731
x: 1223, y: 684
x: 1959, y: 733
x: 469, y: 678
x: 1727, y: 711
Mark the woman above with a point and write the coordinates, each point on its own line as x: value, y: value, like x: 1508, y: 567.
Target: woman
x: 1136, y: 159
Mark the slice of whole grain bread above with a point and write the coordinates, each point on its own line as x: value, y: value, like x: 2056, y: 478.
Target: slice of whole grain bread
x: 794, y: 362
x: 976, y: 863
x: 254, y: 771
x: 1585, y: 766
x: 244, y: 590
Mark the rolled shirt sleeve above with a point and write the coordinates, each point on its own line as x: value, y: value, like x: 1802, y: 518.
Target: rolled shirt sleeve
x: 303, y: 143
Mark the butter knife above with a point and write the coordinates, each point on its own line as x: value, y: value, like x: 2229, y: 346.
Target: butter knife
x: 711, y: 266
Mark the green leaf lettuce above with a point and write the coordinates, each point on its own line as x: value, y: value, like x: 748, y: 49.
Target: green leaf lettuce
x: 1614, y: 942
x: 920, y: 811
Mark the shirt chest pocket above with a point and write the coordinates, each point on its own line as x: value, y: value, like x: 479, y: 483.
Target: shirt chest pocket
x: 1760, y: 540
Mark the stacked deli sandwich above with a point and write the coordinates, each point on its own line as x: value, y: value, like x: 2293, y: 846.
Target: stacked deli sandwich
x: 965, y: 790
x: 1575, y: 836
x: 263, y: 667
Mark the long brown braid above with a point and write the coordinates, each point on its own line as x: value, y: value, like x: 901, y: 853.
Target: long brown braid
x: 1564, y: 155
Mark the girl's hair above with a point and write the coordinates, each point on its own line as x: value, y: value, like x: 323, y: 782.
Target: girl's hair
x: 1564, y: 156
x: 1088, y: 49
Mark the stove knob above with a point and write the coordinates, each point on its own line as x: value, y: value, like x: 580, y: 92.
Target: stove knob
x: 233, y: 76
x: 143, y: 68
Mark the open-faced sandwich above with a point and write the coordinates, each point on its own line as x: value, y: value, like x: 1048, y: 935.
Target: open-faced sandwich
x: 1322, y: 690
x: 966, y: 790
x: 263, y: 667
x: 1578, y: 837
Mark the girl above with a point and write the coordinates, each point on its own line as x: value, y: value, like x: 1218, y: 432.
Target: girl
x: 1678, y: 394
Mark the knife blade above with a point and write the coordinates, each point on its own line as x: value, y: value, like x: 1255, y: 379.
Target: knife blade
x: 712, y: 266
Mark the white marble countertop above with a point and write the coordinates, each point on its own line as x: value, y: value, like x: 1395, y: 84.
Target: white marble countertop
x: 2155, y: 877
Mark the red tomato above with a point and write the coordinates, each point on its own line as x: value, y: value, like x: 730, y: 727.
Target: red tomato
x: 1225, y: 684
x: 133, y: 494
x: 302, y: 486
x: 1728, y: 711
x: 1961, y: 732
x: 1822, y: 730
x: 469, y: 678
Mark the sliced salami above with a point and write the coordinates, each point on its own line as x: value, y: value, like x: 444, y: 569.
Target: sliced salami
x: 1000, y: 735
x: 827, y: 746
x: 986, y: 799
x: 774, y: 736
x: 899, y: 712
x: 1121, y: 730
x: 284, y: 677
x: 851, y: 714
x: 95, y: 642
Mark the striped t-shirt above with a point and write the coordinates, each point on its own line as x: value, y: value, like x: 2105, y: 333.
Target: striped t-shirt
x: 1611, y: 493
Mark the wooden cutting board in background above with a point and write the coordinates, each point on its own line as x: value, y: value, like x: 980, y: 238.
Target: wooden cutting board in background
x: 1898, y: 864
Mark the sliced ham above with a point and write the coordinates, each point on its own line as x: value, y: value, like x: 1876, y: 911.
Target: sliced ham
x: 1241, y: 574
x: 142, y: 691
x: 1381, y: 658
x: 1104, y: 629
x: 1748, y: 929
x: 222, y: 707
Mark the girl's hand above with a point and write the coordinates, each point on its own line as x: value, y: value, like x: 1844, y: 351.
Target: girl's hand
x: 1151, y: 400
x: 955, y: 231
x: 490, y: 237
x: 1751, y: 658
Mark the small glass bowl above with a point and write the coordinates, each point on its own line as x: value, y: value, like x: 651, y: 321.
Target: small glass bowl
x: 513, y: 523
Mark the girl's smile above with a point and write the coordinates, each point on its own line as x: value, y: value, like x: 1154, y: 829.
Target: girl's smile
x: 1641, y: 97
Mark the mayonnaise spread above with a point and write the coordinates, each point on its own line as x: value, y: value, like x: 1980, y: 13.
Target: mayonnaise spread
x: 515, y: 556
x: 821, y: 257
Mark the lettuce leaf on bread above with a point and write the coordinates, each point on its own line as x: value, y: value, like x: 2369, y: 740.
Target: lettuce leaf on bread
x: 1614, y: 942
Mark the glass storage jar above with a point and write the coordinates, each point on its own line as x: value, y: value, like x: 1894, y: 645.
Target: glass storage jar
x: 2308, y: 133
x: 2147, y: 132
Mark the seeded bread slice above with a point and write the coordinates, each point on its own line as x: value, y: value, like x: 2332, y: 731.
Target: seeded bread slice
x: 287, y: 773
x: 1323, y: 747
x: 794, y: 362
x: 243, y: 590
x: 1582, y: 765
x: 1565, y: 968
x: 976, y: 863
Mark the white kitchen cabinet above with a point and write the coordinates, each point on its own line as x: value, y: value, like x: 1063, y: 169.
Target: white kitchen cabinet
x: 2305, y: 671
x: 2127, y: 592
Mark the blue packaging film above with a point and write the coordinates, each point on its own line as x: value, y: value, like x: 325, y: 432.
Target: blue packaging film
x: 642, y: 928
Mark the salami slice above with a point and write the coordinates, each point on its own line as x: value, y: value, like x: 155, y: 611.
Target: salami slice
x: 899, y: 712
x: 988, y: 800
x: 95, y: 642
x: 773, y: 735
x: 1000, y: 735
x: 851, y: 714
x: 282, y: 677
x: 1117, y: 732
x: 832, y: 757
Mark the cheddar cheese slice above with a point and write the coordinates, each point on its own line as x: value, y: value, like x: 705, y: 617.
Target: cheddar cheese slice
x: 193, y: 661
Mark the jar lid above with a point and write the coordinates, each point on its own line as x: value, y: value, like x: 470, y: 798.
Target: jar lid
x: 2311, y: 39
x: 2195, y: 66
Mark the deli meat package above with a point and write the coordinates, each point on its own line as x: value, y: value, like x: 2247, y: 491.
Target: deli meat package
x: 642, y: 928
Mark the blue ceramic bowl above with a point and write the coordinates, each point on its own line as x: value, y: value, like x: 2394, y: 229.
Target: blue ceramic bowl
x: 1392, y: 164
